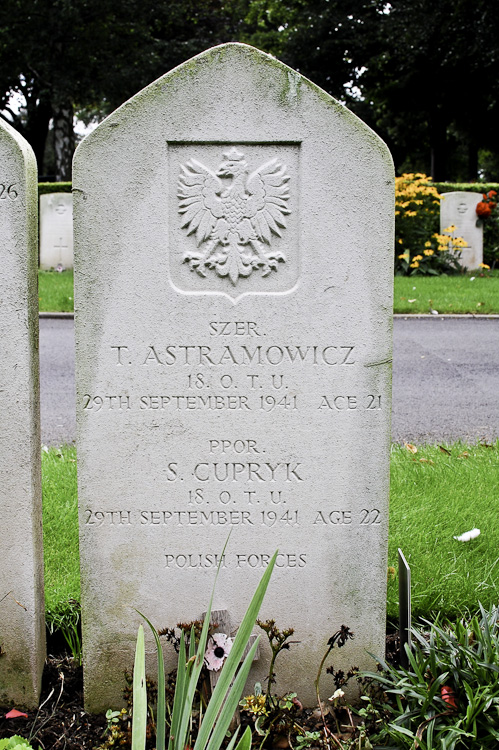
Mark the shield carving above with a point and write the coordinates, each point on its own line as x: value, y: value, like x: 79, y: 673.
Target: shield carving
x: 233, y: 217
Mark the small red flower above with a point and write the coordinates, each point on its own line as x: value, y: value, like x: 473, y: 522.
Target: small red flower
x: 491, y: 193
x: 448, y: 696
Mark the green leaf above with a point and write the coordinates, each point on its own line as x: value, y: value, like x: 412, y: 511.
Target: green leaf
x: 179, y: 696
x: 161, y: 708
x: 15, y: 743
x: 139, y: 722
x: 232, y: 662
x: 245, y: 741
x: 231, y: 702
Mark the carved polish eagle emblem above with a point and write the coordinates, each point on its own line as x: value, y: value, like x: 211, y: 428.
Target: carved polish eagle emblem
x: 233, y: 222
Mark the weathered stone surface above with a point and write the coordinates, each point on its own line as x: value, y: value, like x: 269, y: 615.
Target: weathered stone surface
x: 459, y: 208
x: 233, y: 260
x: 22, y: 624
x: 56, y: 230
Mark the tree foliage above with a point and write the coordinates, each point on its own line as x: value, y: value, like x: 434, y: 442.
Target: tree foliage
x: 432, y: 86
x: 91, y: 55
x: 423, y: 74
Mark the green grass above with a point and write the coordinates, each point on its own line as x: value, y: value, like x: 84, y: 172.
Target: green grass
x: 469, y: 293
x: 60, y: 527
x: 55, y: 291
x: 435, y: 495
x: 448, y: 294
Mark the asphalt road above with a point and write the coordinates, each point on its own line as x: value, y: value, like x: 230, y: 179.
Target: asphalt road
x: 445, y: 380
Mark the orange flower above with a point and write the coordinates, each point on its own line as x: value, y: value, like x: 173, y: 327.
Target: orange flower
x: 492, y: 193
x: 483, y: 209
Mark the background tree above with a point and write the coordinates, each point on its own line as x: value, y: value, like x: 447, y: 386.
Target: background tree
x: 433, y: 85
x: 59, y: 56
x: 423, y: 73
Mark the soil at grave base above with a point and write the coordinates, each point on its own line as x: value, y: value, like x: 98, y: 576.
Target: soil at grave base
x: 61, y: 723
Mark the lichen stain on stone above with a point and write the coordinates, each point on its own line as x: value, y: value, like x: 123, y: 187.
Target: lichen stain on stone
x: 292, y: 88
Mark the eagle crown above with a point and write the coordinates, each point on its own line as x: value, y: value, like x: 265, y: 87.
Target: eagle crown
x: 234, y: 164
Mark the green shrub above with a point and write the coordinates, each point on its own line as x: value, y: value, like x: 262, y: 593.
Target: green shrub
x: 449, y: 696
x: 54, y: 187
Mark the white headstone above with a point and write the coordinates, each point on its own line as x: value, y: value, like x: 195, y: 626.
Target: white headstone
x: 234, y: 235
x: 22, y: 621
x: 459, y: 209
x: 56, y: 230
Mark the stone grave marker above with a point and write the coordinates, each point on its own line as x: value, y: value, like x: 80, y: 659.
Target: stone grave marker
x: 56, y: 230
x: 233, y: 261
x: 22, y: 616
x: 459, y: 208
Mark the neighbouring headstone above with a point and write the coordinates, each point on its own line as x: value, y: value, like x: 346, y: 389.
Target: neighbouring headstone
x: 233, y: 261
x: 56, y: 230
x: 22, y: 620
x: 459, y: 209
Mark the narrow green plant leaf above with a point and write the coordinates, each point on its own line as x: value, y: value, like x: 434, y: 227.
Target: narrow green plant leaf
x: 232, y: 662
x: 231, y: 703
x: 179, y: 696
x: 139, y: 721
x: 245, y: 741
x: 197, y: 664
x: 161, y: 707
x: 233, y: 739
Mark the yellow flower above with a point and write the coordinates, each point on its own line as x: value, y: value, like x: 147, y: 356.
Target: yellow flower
x: 410, y: 213
x: 254, y: 704
x: 484, y: 265
x: 427, y: 244
x: 442, y: 239
x: 450, y: 229
x: 429, y: 252
x: 401, y: 242
x: 418, y: 257
x: 405, y: 256
x: 415, y: 264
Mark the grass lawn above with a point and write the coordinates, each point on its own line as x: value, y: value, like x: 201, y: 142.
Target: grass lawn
x: 60, y: 527
x: 412, y: 294
x: 55, y: 291
x: 469, y: 293
x: 436, y: 494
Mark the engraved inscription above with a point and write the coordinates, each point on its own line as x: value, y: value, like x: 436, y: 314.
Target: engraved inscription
x: 232, y: 517
x: 233, y: 214
x: 239, y: 355
x: 371, y: 402
x: 194, y: 560
x: 8, y: 191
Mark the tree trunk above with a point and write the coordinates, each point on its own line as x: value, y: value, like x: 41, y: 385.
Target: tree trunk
x: 64, y: 141
x: 472, y: 160
x: 37, y: 128
x: 438, y: 143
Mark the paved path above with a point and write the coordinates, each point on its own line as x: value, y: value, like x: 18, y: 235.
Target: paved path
x: 57, y: 381
x: 445, y: 380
